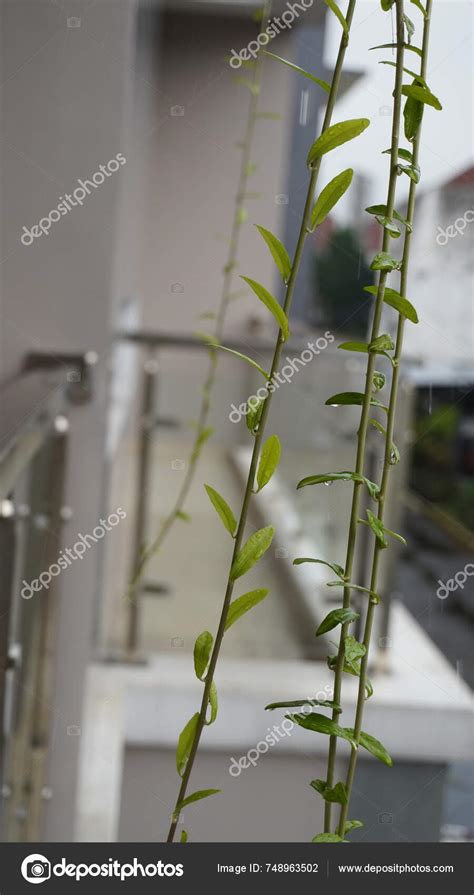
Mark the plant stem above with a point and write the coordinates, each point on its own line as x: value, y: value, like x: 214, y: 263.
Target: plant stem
x: 228, y: 270
x: 388, y: 444
x: 364, y: 420
x: 304, y: 229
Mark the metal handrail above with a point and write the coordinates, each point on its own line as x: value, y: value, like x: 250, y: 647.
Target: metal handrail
x: 33, y: 452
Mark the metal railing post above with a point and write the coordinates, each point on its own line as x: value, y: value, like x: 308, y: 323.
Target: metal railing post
x: 147, y: 425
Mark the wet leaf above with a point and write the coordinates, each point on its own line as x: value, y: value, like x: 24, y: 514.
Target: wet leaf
x: 330, y: 196
x: 335, y: 136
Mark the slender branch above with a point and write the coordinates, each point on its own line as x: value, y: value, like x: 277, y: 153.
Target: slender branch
x: 364, y: 421
x: 304, y: 229
x: 228, y: 270
x: 388, y: 446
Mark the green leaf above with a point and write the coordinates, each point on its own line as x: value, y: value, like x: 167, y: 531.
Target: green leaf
x: 332, y: 565
x: 202, y: 653
x: 359, y: 587
x: 337, y: 12
x: 387, y: 4
x: 352, y: 398
x: 385, y: 261
x: 251, y: 552
x: 352, y: 825
x: 362, y: 347
x: 412, y: 171
x: 394, y: 534
x: 223, y: 509
x: 353, y: 650
x: 278, y: 251
x: 185, y: 742
x: 184, y: 836
x: 402, y: 153
x: 337, y: 794
x: 422, y: 95
x: 320, y: 724
x: 254, y: 412
x: 419, y: 6
x: 328, y: 837
x: 269, y: 460
x: 242, y: 605
x: 185, y: 517
x: 196, y: 797
x: 355, y: 672
x: 342, y: 477
x: 297, y: 703
x: 213, y: 702
x: 412, y: 116
x: 383, y: 342
x: 329, y: 196
x: 378, y: 380
x: 271, y: 303
x: 336, y: 617
x: 377, y: 528
x: 398, y: 302
x: 394, y: 47
x: 375, y: 747
x: 248, y: 360
x: 335, y: 136
x: 389, y: 226
x: 381, y: 211
x: 204, y: 436
x: 300, y: 71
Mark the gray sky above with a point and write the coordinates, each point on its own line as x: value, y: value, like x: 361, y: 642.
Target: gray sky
x: 447, y: 137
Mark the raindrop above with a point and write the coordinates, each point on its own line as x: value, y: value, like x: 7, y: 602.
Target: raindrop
x: 328, y: 483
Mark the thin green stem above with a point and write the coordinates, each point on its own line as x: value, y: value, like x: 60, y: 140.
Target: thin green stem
x: 364, y: 420
x: 392, y: 407
x: 303, y: 233
x: 225, y: 297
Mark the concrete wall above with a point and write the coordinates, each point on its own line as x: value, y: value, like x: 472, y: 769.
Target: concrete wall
x: 66, y: 75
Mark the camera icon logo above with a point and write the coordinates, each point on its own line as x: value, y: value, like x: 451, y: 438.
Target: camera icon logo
x: 281, y: 553
x: 36, y: 869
